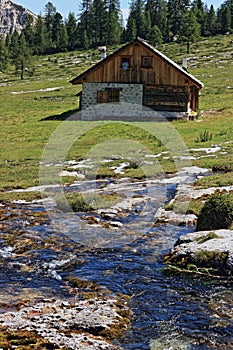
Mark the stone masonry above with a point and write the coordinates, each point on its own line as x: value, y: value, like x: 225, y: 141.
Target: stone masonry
x: 130, y: 93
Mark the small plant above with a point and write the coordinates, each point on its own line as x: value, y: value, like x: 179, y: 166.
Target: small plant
x: 217, y: 213
x: 215, y: 259
x: 204, y: 136
x: 211, y: 235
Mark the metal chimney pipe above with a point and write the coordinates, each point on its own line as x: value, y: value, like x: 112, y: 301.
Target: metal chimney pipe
x: 184, y: 63
x: 103, y: 52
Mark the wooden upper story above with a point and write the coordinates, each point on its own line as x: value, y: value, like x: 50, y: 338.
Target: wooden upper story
x: 138, y: 62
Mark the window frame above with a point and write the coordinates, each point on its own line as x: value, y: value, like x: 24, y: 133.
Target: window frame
x: 126, y: 59
x: 149, y: 58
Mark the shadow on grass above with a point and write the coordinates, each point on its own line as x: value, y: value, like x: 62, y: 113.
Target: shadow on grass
x: 71, y: 114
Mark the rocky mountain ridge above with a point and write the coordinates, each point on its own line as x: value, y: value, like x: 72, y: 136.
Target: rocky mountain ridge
x: 12, y: 17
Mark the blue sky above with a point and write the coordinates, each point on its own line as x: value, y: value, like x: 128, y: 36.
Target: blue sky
x: 64, y: 7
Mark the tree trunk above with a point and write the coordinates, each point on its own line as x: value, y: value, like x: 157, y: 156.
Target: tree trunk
x: 22, y: 70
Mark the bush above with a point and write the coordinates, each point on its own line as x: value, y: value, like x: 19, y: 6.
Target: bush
x: 217, y: 213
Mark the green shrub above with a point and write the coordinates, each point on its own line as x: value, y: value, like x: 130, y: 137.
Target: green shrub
x: 217, y: 213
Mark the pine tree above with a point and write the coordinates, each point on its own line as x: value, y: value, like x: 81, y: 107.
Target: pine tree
x: 137, y: 14
x: 198, y: 8
x: 85, y: 40
x: 71, y: 28
x: 227, y: 20
x: 114, y: 22
x: 131, y: 29
x: 50, y: 11
x: 155, y: 36
x: 189, y: 30
x: 99, y: 22
x: 62, y: 39
x: 58, y: 33
x: 40, y: 37
x: 176, y: 11
x: 28, y: 30
x: 212, y: 19
x: 224, y: 18
x: 4, y: 58
x: 148, y: 26
x: 23, y: 62
x: 84, y: 28
x: 205, y: 25
x: 14, y: 48
x: 158, y: 15
x: 85, y: 13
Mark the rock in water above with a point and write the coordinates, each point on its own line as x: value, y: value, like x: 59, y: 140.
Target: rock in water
x: 204, y: 249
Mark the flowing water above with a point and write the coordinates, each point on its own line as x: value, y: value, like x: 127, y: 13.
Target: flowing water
x: 169, y: 312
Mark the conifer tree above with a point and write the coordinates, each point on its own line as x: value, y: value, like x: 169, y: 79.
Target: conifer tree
x: 189, y: 30
x: 227, y: 20
x: 59, y: 33
x: 28, y: 30
x: 50, y: 11
x: 224, y: 18
x: 84, y: 28
x: 198, y: 8
x: 99, y: 22
x: 114, y: 22
x: 4, y: 58
x: 155, y: 37
x: 23, y: 62
x: 158, y: 15
x: 176, y: 11
x: 71, y: 28
x: 137, y: 14
x: 131, y: 29
x: 40, y: 37
x: 14, y: 45
x: 212, y: 19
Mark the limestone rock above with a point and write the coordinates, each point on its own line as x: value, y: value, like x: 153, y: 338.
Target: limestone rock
x: 208, y: 249
x: 12, y: 17
x: 179, y: 219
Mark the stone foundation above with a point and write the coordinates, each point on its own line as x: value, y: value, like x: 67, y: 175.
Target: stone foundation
x: 130, y: 93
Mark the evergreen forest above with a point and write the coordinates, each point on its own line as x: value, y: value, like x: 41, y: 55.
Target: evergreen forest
x: 100, y: 22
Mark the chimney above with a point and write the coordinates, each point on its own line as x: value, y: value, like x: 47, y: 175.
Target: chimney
x: 184, y: 63
x: 102, y: 50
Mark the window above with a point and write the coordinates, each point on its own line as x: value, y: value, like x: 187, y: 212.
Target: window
x: 125, y: 63
x: 146, y: 62
x: 102, y: 96
x: 109, y: 95
x: 113, y: 94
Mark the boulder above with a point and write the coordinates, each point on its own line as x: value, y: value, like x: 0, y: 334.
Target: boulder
x: 211, y: 250
x: 168, y: 216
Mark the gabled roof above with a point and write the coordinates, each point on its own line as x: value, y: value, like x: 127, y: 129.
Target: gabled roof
x: 79, y: 78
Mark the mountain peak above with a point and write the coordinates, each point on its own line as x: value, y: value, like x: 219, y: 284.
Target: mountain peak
x: 12, y: 17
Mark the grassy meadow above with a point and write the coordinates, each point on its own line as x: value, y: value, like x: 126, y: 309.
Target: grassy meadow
x: 31, y: 109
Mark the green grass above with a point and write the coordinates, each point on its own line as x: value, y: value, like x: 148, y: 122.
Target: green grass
x: 29, y: 114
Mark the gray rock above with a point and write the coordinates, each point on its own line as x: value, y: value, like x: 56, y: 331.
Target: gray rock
x: 12, y: 17
x: 212, y: 249
x: 58, y: 321
x: 168, y: 216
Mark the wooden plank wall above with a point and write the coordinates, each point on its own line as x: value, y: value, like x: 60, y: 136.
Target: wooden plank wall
x: 166, y: 98
x: 160, y: 72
